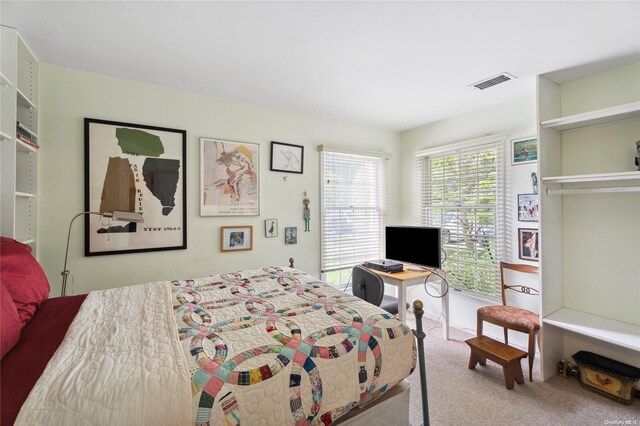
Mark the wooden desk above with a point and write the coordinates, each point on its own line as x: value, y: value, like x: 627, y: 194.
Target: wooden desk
x: 407, y: 278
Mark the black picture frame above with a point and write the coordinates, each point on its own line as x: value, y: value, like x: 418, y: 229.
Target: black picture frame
x: 528, y: 244
x: 134, y: 167
x: 287, y: 158
x: 528, y: 208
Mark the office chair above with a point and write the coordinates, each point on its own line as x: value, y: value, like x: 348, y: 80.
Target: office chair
x: 369, y: 286
x: 511, y: 317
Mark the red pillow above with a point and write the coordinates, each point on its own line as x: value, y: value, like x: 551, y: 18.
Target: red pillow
x: 10, y: 325
x: 23, y: 277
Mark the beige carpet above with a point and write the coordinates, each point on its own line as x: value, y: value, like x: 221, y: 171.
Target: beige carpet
x: 459, y: 396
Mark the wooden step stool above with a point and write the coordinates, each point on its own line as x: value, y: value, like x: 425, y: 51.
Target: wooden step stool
x: 483, y: 347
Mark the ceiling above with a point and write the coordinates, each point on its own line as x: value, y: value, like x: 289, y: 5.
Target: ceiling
x: 395, y: 65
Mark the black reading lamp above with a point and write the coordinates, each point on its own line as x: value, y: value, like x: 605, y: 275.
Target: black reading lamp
x: 115, y: 215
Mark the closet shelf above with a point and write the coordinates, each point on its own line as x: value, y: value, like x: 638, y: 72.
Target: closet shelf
x: 24, y: 194
x: 25, y: 147
x: 24, y: 100
x: 5, y: 136
x: 605, y: 329
x: 593, y: 178
x: 4, y: 81
x: 592, y: 118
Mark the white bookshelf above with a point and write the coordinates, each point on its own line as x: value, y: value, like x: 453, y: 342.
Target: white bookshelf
x: 595, y: 178
x: 589, y: 206
x: 594, y: 118
x: 597, y: 327
x: 19, y: 160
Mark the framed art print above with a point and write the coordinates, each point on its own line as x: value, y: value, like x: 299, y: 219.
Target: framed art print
x: 229, y: 178
x: 286, y: 157
x: 134, y: 168
x: 524, y: 151
x: 528, y: 207
x: 271, y: 228
x: 236, y: 238
x: 290, y: 235
x: 528, y: 244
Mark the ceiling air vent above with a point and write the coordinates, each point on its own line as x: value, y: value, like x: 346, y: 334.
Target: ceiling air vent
x: 492, y: 81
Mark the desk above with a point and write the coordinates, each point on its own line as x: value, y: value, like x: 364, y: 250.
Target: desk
x: 407, y: 278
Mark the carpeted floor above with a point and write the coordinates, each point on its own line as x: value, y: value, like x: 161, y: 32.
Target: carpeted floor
x: 459, y: 396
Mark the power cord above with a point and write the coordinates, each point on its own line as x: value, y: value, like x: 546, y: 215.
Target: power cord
x: 426, y: 281
x: 344, y: 290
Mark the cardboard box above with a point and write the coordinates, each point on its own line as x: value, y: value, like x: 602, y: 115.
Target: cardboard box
x: 605, y: 376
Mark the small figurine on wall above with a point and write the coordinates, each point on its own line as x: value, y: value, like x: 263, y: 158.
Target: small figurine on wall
x: 306, y: 213
x: 638, y: 155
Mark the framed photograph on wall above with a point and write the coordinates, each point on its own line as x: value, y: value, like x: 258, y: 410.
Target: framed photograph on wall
x: 528, y: 244
x: 286, y: 157
x: 271, y: 228
x: 236, y: 238
x: 528, y: 207
x: 229, y: 178
x: 134, y: 168
x: 291, y: 235
x: 524, y: 151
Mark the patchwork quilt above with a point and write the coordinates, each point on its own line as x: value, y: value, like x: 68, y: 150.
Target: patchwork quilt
x: 269, y: 346
x: 277, y: 346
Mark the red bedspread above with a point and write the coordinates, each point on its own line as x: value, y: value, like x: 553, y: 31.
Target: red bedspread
x: 22, y: 366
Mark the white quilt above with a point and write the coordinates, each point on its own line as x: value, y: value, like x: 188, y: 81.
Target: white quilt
x: 120, y: 364
x: 270, y: 346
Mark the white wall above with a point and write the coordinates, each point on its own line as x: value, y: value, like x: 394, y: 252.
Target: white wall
x: 68, y: 96
x: 518, y: 120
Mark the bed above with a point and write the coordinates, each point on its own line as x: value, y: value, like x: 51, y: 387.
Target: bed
x: 265, y: 346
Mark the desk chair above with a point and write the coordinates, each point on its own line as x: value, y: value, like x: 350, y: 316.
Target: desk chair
x: 510, y: 317
x: 369, y: 286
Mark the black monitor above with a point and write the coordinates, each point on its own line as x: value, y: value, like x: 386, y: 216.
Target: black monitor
x: 419, y: 245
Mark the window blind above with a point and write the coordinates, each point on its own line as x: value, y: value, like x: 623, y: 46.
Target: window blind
x: 353, y: 209
x: 462, y: 192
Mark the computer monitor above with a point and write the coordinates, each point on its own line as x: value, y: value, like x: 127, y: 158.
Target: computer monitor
x: 420, y: 245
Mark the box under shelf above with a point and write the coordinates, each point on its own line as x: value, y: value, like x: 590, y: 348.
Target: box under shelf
x: 605, y: 329
x: 592, y: 118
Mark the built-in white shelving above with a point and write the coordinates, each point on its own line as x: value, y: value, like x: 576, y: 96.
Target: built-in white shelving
x: 604, y: 329
x: 4, y: 81
x: 594, y: 178
x: 24, y: 194
x: 588, y: 254
x: 593, y: 118
x: 28, y: 130
x: 24, y: 101
x: 25, y: 147
x: 18, y: 184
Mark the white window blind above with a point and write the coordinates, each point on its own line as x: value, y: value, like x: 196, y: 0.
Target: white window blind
x: 353, y: 209
x: 461, y: 190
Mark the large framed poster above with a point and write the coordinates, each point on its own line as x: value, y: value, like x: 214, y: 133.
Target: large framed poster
x: 134, y: 168
x: 229, y: 178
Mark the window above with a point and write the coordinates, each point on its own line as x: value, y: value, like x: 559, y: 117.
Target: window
x: 461, y: 190
x: 353, y: 210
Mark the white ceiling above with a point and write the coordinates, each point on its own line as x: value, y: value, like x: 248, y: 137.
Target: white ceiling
x: 395, y: 65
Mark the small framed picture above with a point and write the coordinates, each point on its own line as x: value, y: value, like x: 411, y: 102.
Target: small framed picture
x: 286, y: 157
x: 236, y: 238
x: 528, y: 207
x: 528, y: 244
x: 271, y: 228
x: 291, y: 235
x: 524, y: 151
